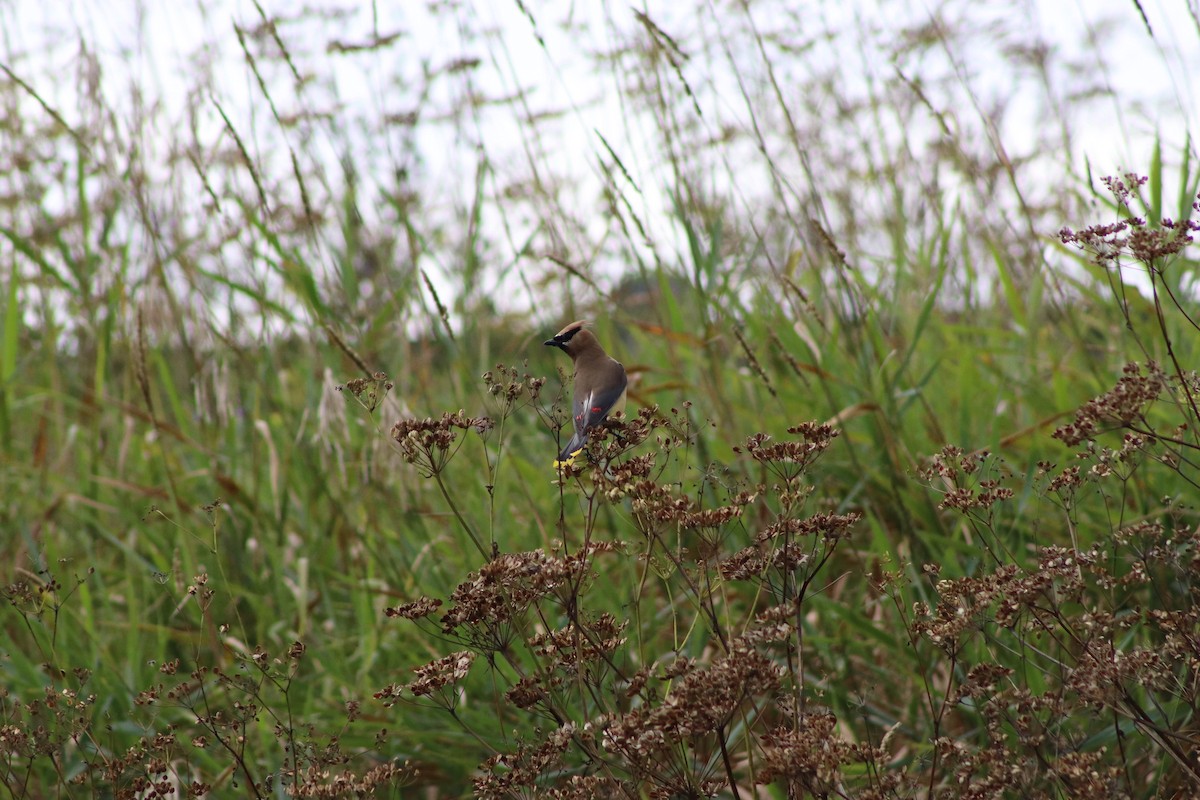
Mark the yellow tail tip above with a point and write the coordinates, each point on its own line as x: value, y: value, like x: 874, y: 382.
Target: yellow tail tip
x: 568, y: 461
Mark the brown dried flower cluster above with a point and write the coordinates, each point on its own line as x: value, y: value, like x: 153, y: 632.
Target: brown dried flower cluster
x: 1149, y: 245
x: 505, y: 774
x: 703, y: 702
x: 788, y: 459
x: 988, y: 494
x: 529, y: 691
x: 955, y: 473
x: 589, y: 787
x: 615, y: 438
x: 829, y: 527
x: 657, y: 507
x: 1124, y: 404
x: 950, y: 461
x: 320, y: 783
x: 961, y: 606
x: 572, y: 645
x: 433, y: 677
x: 1107, y: 243
x: 1001, y: 597
x: 430, y: 443
x: 1075, y: 618
x: 417, y: 609
x: 809, y: 755
x: 786, y: 555
x: 509, y: 386
x: 370, y: 392
x: 441, y: 672
x: 510, y: 583
x: 1106, y: 674
x: 746, y: 564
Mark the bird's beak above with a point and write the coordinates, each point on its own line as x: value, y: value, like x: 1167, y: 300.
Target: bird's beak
x: 554, y: 343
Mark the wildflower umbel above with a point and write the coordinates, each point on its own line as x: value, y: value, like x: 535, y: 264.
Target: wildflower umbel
x: 369, y: 392
x: 958, y: 475
x: 787, y: 460
x: 702, y: 703
x: 570, y: 646
x: 504, y: 773
x: 809, y: 755
x: 430, y: 443
x: 417, y: 609
x: 1119, y: 407
x: 433, y: 678
x: 1132, y: 235
x: 509, y: 386
x: 506, y: 586
x: 606, y: 443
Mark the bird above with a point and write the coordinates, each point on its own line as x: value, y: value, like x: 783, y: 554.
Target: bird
x: 600, y: 383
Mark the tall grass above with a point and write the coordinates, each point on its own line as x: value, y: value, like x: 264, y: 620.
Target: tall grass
x: 278, y: 426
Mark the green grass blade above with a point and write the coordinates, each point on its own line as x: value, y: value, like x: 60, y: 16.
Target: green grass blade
x: 1156, y: 187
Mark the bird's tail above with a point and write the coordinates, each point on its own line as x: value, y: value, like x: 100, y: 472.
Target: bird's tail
x: 573, y: 448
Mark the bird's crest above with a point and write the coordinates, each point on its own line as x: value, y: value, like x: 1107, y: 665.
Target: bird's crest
x: 564, y: 336
x: 568, y: 332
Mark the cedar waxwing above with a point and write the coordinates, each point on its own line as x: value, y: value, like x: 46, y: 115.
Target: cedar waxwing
x: 599, y: 384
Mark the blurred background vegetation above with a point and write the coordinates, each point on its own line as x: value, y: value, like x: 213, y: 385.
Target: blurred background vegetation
x: 772, y: 212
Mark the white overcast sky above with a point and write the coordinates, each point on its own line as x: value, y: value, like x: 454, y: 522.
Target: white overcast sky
x: 157, y: 45
x: 157, y: 42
